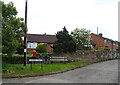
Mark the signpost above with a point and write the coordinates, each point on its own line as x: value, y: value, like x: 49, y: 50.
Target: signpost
x: 41, y: 60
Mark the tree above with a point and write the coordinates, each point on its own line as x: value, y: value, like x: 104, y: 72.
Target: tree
x: 41, y: 48
x: 64, y: 43
x: 81, y: 37
x: 13, y: 28
x: 20, y: 49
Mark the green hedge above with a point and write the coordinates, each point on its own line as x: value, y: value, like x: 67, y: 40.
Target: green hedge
x: 15, y: 59
x: 44, y: 53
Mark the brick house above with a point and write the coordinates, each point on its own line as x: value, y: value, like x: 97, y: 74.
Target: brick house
x: 98, y: 41
x: 34, y: 39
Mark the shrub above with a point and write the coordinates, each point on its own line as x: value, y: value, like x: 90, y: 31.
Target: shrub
x: 104, y: 48
x: 41, y: 48
x: 14, y: 59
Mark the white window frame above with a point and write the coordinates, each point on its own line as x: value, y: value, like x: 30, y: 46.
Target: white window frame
x: 32, y: 45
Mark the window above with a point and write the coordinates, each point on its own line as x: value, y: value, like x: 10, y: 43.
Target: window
x: 114, y: 43
x: 51, y: 45
x: 32, y: 45
x: 105, y: 41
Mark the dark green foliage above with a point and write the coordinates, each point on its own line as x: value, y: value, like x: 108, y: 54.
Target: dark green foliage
x: 20, y: 49
x: 15, y: 59
x: 41, y: 48
x: 64, y: 43
x: 13, y: 28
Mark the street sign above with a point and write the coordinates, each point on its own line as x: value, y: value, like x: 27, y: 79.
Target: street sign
x: 41, y: 60
x: 36, y: 59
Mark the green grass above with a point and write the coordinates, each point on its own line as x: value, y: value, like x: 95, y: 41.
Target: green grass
x: 18, y: 70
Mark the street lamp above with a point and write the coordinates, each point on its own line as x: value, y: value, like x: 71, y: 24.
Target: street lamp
x: 25, y: 37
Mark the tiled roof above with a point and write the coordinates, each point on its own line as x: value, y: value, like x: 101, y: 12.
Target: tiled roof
x: 104, y: 37
x: 41, y: 38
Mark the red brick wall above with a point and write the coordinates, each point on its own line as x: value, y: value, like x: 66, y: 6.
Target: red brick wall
x: 30, y: 50
x: 99, y: 41
x: 49, y: 49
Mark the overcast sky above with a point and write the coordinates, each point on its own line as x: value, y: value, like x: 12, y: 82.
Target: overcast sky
x: 50, y: 16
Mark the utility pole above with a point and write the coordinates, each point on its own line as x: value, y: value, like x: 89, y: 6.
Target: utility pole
x: 25, y: 37
x: 97, y: 30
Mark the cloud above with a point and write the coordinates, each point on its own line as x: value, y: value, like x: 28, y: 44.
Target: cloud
x: 51, y: 16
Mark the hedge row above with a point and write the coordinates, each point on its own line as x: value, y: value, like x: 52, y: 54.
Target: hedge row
x: 16, y: 59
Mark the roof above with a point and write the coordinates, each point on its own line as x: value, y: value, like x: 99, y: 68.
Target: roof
x: 41, y: 38
x: 104, y: 37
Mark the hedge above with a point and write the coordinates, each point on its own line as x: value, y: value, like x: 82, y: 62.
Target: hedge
x: 15, y: 59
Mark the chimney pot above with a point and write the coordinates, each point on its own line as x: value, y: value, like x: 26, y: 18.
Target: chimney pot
x: 100, y: 34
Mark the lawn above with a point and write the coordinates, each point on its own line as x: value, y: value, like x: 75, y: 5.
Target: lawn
x: 20, y: 70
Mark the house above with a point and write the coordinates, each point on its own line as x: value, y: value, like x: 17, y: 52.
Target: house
x: 34, y: 39
x: 98, y: 41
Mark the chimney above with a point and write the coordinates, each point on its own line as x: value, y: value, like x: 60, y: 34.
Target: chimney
x: 100, y: 34
x: 44, y: 34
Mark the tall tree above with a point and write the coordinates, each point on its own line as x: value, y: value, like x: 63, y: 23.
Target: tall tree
x: 81, y: 37
x: 13, y: 28
x: 64, y: 43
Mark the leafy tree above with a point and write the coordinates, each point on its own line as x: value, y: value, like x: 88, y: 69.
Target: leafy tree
x: 64, y: 43
x: 20, y: 49
x: 81, y: 37
x: 13, y: 28
x: 41, y: 48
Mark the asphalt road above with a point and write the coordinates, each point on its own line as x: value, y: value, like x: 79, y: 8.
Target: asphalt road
x: 104, y: 72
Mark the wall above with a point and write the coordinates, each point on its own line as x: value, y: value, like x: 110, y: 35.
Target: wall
x: 30, y: 50
x: 99, y: 41
x: 90, y: 56
x: 49, y: 49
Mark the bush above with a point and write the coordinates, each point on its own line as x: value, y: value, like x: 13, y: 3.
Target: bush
x: 104, y: 48
x: 41, y: 48
x: 14, y: 59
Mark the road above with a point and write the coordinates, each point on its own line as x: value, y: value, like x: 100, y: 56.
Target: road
x: 104, y: 72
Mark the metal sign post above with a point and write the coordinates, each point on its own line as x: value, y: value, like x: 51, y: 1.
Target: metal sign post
x: 41, y: 60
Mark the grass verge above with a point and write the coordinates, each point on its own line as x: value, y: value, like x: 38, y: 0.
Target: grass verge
x: 19, y: 70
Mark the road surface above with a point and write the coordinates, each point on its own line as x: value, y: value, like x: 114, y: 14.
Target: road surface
x: 104, y: 72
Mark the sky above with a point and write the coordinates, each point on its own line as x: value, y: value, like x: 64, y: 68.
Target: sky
x: 50, y: 16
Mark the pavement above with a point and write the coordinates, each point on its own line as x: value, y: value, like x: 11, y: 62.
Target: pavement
x: 103, y: 72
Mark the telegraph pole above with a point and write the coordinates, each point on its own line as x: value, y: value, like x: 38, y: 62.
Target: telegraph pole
x: 25, y: 37
x: 97, y: 30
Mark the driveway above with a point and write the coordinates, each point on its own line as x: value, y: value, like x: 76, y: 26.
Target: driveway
x: 104, y: 72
